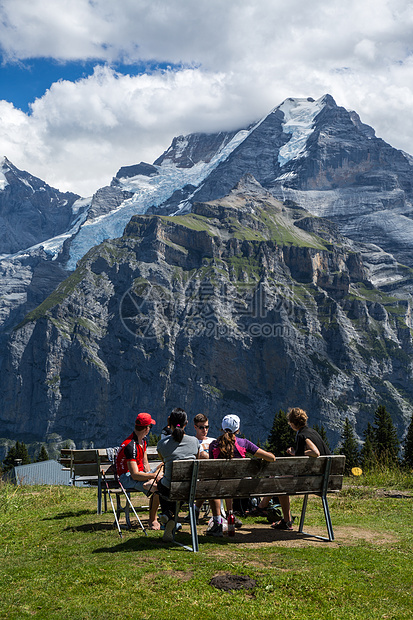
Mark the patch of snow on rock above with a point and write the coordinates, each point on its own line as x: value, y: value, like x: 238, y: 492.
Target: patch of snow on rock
x: 299, y: 115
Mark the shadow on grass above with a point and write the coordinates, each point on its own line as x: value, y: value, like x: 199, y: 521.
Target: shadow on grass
x: 245, y: 536
x: 66, y: 515
x: 141, y: 543
x: 92, y: 527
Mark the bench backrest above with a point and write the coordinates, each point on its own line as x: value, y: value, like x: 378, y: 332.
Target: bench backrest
x: 87, y: 465
x: 253, y: 477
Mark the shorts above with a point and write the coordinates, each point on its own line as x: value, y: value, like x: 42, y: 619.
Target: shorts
x: 129, y: 483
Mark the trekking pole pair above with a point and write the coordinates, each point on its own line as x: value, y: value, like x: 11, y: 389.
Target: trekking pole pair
x: 131, y: 505
x: 150, y: 499
x: 111, y: 502
x: 128, y: 499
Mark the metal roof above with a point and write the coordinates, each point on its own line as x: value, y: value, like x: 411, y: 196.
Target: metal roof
x: 44, y: 472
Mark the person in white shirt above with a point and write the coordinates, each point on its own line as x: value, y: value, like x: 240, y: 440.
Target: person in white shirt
x: 201, y: 426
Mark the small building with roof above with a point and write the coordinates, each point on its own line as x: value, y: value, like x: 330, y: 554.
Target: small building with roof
x: 43, y: 472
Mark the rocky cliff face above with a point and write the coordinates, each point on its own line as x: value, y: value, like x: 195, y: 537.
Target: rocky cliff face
x: 30, y: 210
x: 246, y: 300
x: 322, y: 157
x: 245, y: 305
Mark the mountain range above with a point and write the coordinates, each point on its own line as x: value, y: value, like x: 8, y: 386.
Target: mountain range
x: 242, y: 271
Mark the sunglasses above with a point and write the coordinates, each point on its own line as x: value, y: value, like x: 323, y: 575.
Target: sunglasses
x: 203, y: 428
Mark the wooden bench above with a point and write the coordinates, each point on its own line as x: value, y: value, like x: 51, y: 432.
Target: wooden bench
x: 86, y: 467
x: 241, y: 478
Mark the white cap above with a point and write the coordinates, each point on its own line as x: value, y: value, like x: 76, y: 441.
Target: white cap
x: 230, y: 423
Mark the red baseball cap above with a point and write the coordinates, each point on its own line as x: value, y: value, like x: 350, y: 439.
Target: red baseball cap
x: 144, y: 419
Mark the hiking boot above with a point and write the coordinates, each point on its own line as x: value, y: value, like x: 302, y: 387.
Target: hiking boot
x: 237, y: 523
x: 169, y: 531
x: 215, y: 530
x: 282, y: 525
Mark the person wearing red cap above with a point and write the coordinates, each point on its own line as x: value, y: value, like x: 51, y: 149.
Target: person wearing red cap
x: 132, y: 466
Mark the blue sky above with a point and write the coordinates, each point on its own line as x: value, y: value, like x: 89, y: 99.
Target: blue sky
x: 88, y: 86
x: 23, y: 82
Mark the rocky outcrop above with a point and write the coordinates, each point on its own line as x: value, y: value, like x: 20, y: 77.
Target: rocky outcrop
x: 106, y: 200
x: 30, y: 210
x: 187, y: 151
x: 234, y: 307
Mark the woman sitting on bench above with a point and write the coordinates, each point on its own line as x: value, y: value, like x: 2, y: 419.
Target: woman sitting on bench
x: 174, y: 447
x: 228, y: 446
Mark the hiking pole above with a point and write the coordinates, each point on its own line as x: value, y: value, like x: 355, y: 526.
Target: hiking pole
x: 155, y: 479
x: 131, y: 505
x: 111, y: 501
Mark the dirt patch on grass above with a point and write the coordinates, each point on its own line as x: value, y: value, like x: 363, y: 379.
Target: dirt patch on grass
x: 229, y: 582
x: 379, y: 492
x: 261, y: 535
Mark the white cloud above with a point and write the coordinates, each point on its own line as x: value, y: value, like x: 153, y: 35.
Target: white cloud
x: 240, y: 58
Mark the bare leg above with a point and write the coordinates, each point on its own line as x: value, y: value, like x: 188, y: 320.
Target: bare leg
x: 228, y: 503
x: 153, y: 512
x: 264, y: 502
x: 215, y: 507
x: 285, y: 507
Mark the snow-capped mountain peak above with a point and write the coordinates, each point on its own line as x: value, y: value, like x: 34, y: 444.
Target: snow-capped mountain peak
x: 299, y: 115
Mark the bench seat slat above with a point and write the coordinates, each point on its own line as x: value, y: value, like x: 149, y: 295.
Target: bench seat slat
x: 239, y: 468
x: 250, y: 487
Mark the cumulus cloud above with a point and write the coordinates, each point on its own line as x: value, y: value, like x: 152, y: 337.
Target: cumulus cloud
x: 231, y: 63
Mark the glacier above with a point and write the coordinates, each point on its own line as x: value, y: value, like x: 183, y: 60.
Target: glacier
x: 299, y: 115
x: 147, y: 192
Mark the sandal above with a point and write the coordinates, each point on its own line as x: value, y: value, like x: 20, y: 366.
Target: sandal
x: 282, y: 525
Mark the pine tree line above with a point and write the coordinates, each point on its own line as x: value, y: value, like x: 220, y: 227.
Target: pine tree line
x: 18, y: 454
x: 381, y: 445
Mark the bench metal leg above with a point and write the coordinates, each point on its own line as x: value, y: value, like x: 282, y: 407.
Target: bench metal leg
x: 99, y: 510
x: 194, y: 533
x: 192, y: 514
x: 303, y: 511
x: 325, y: 507
x: 328, y: 519
x: 120, y: 509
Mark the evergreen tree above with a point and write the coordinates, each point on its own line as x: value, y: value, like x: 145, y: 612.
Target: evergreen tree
x: 16, y: 453
x: 322, y: 432
x: 43, y: 455
x: 9, y: 460
x: 349, y: 446
x: 153, y: 439
x: 368, y: 451
x: 281, y: 435
x: 408, y: 446
x: 385, y: 437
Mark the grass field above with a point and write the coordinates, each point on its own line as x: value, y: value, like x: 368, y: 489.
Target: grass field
x: 59, y: 559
